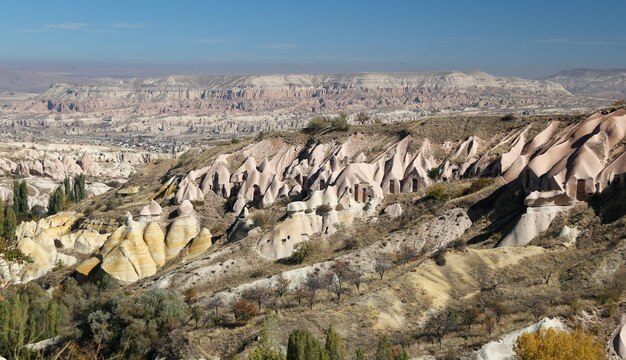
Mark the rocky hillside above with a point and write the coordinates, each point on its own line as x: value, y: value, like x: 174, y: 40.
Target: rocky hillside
x: 607, y: 84
x: 440, y: 236
x: 302, y: 94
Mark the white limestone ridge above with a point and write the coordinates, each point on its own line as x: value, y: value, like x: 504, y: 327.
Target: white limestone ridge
x: 297, y: 93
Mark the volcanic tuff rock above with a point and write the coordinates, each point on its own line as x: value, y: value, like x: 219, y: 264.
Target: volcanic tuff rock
x: 298, y: 94
x: 47, y: 242
x: 45, y: 166
x: 556, y: 168
x: 137, y: 249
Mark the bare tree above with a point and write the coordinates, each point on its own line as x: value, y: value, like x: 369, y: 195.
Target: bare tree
x: 334, y: 284
x: 300, y: 293
x: 215, y: 303
x: 408, y: 252
x: 341, y: 268
x: 535, y: 305
x: 489, y: 319
x: 355, y: 277
x: 312, y: 284
x: 441, y: 323
x: 281, y: 286
x: 383, y: 264
x: 468, y: 317
x: 259, y: 294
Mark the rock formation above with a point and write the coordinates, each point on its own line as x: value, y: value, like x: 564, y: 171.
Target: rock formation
x: 137, y: 249
x: 297, y: 93
x: 48, y: 242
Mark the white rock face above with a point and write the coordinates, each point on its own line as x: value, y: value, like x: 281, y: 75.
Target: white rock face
x: 619, y: 340
x: 297, y: 93
x: 45, y: 166
x: 152, y: 209
x: 569, y: 234
x: 394, y: 211
x: 502, y: 349
x: 534, y: 222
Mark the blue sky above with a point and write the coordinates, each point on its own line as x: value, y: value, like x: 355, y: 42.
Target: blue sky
x: 526, y: 38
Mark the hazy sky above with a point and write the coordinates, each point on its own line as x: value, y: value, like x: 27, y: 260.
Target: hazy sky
x: 527, y: 38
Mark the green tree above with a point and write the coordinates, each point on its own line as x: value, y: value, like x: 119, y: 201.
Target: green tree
x: 402, y: 355
x: 335, y: 347
x: 359, y: 355
x: 267, y: 348
x: 384, y: 350
x: 68, y: 189
x: 57, y: 201
x: 302, y: 345
x: 27, y: 314
x: 2, y: 212
x: 80, y: 192
x: 20, y: 197
x: 10, y: 224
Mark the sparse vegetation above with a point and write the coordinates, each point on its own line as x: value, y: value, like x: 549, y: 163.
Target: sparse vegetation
x: 323, y: 124
x: 433, y: 173
x: 558, y: 345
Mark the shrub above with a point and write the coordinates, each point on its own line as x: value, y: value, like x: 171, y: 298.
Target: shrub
x: 301, y: 252
x: 558, y: 345
x: 339, y: 123
x: 478, y: 185
x: 434, y: 173
x: 351, y: 243
x: 317, y: 124
x: 261, y: 218
x: 508, y: 117
x: 235, y: 141
x: 245, y: 310
x: 439, y: 192
x: 323, y: 209
x: 15, y: 254
x: 384, y: 350
x: 440, y: 258
x: 457, y: 244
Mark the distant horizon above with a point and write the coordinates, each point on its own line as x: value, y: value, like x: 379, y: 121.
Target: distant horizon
x: 531, y: 39
x: 148, y: 70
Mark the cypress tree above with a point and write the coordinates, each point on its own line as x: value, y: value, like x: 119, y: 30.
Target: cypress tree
x: 267, y: 348
x: 334, y: 345
x: 53, y: 319
x: 10, y: 223
x: 2, y: 212
x: 56, y: 202
x: 68, y: 189
x: 359, y: 354
x: 20, y: 197
x: 384, y: 352
x: 24, y: 195
x: 302, y: 345
x: 79, y: 188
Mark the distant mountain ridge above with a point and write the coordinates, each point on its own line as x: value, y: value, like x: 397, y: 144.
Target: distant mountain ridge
x: 301, y: 94
x: 606, y: 84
